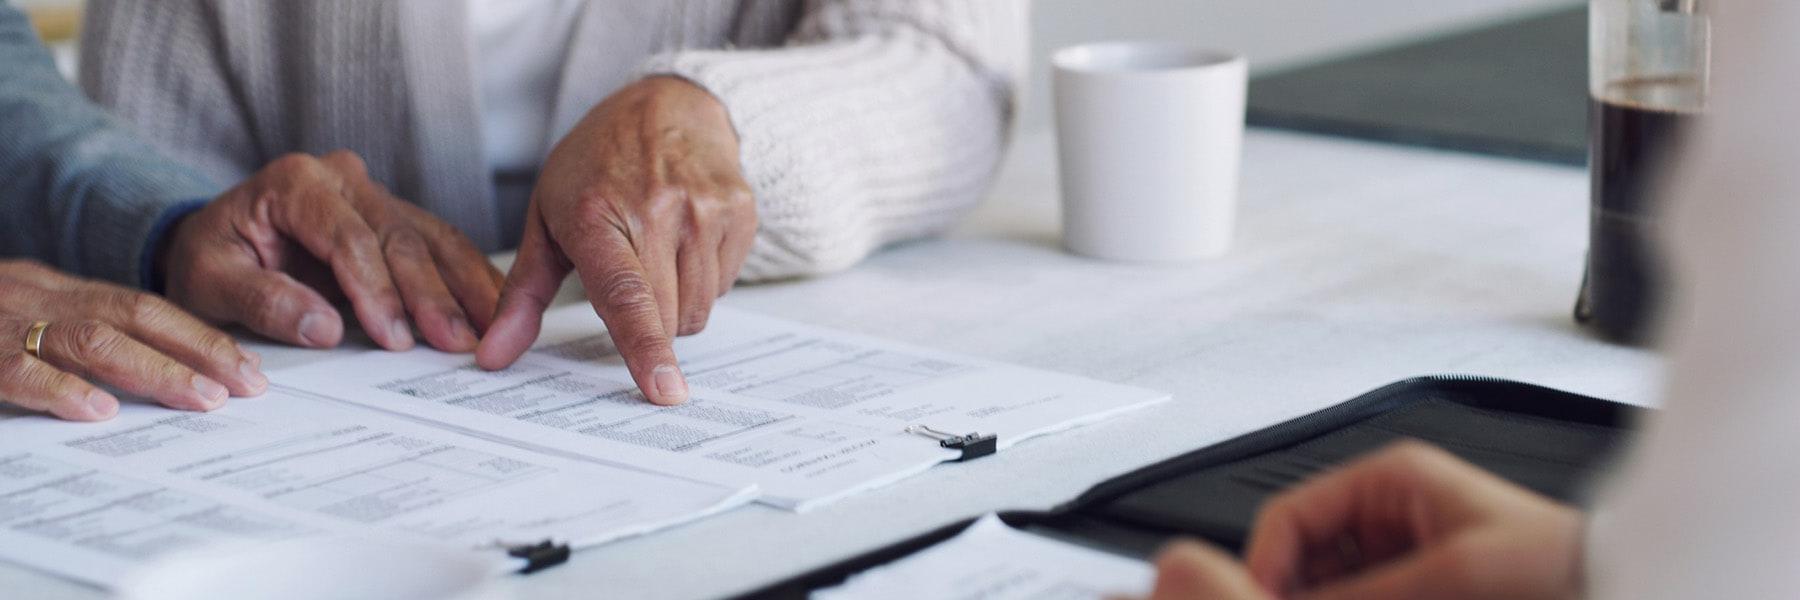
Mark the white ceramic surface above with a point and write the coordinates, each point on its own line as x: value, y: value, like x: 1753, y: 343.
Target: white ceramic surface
x: 1150, y: 137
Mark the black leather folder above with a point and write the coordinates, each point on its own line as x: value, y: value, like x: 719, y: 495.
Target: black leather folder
x: 1550, y: 441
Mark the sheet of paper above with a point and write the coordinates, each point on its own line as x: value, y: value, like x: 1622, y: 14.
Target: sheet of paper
x: 90, y: 500
x: 806, y: 414
x: 991, y: 561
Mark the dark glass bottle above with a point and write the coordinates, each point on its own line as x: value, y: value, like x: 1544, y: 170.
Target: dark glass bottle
x: 1647, y: 87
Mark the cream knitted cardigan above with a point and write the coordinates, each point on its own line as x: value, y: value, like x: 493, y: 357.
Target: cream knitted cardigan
x: 863, y: 122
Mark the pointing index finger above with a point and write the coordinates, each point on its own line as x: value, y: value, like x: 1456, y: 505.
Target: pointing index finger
x: 621, y: 294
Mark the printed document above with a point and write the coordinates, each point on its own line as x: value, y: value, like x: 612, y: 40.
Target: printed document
x: 991, y: 561
x: 91, y: 500
x: 560, y: 447
x: 805, y: 414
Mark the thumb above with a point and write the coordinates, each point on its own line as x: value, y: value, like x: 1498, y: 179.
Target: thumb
x: 1191, y: 571
x: 271, y: 303
x: 537, y: 272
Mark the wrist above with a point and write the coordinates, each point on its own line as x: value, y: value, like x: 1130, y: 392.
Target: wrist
x: 154, y: 270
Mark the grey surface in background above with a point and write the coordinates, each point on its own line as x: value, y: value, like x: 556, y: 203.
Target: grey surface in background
x: 1516, y: 89
x: 1273, y: 34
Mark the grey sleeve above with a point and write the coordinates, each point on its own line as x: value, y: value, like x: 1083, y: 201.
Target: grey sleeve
x: 77, y: 190
x: 161, y: 67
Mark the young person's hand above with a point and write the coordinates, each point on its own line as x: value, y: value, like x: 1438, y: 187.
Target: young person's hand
x: 272, y: 253
x: 1410, y: 521
x: 646, y: 201
x: 88, y: 330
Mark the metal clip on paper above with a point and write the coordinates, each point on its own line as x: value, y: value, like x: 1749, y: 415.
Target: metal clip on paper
x: 539, y: 556
x: 972, y: 445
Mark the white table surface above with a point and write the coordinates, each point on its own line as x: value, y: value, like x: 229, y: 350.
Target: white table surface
x: 1356, y: 265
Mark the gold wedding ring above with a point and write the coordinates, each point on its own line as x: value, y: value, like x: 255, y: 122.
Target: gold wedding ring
x: 34, y: 338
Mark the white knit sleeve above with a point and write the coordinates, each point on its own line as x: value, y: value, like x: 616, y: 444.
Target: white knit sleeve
x: 877, y: 121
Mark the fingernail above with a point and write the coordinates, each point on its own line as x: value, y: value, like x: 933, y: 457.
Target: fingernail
x: 100, y: 404
x: 252, y: 377
x: 670, y: 386
x: 400, y: 334
x: 211, y: 393
x: 315, y: 329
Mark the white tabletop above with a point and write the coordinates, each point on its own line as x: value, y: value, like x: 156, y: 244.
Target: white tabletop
x: 1356, y: 265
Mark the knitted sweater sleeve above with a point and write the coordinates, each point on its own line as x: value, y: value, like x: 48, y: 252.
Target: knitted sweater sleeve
x: 77, y: 189
x: 877, y: 121
x: 160, y: 65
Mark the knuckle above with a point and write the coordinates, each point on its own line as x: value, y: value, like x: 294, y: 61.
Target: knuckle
x: 15, y: 364
x: 666, y: 205
x: 356, y: 239
x: 596, y: 214
x: 216, y: 344
x: 92, y: 340
x: 739, y: 195
x: 628, y: 293
x: 643, y: 341
x: 406, y: 245
x: 712, y: 210
x: 665, y: 194
x: 347, y: 162
x: 294, y: 163
x: 266, y: 306
x: 141, y: 308
x: 444, y: 233
x: 49, y: 388
x: 64, y: 388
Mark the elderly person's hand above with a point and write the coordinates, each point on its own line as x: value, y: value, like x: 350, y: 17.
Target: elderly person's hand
x: 645, y: 199
x: 273, y: 252
x: 1411, y: 521
x: 60, y: 332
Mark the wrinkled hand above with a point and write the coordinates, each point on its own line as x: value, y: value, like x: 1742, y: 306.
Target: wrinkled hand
x: 1411, y: 521
x: 271, y: 253
x: 133, y: 341
x: 645, y: 200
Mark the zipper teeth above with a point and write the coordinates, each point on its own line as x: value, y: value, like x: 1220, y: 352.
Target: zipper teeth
x: 1301, y: 426
x: 1360, y: 402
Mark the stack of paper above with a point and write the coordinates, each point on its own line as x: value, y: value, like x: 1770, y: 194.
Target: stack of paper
x: 561, y: 446
x: 90, y: 500
x: 806, y: 414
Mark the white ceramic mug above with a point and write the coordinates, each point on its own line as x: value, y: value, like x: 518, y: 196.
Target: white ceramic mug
x: 1149, y: 137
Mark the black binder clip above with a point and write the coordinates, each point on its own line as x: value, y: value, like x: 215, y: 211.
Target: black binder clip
x: 972, y: 445
x: 539, y: 556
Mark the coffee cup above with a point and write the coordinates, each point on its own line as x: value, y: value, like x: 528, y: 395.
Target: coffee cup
x: 1149, y: 141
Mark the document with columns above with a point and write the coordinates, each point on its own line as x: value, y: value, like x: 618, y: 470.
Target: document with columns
x: 802, y: 413
x: 90, y: 501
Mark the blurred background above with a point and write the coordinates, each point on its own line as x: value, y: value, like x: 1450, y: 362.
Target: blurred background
x: 1275, y: 34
